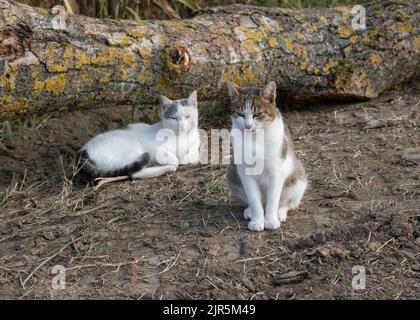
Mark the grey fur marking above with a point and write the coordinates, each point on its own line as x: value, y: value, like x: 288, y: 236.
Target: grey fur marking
x: 174, y: 109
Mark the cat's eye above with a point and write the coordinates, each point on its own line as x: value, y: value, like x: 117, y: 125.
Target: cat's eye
x: 173, y: 118
x: 240, y: 114
x: 258, y: 114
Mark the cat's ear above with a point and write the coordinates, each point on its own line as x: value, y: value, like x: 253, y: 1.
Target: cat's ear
x: 192, y: 100
x: 233, y: 90
x: 269, y: 92
x: 165, y: 103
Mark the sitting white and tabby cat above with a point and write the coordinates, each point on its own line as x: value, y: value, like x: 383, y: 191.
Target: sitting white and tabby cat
x: 145, y: 151
x: 282, y: 182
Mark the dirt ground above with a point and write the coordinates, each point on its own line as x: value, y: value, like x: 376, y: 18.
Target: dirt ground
x: 182, y: 236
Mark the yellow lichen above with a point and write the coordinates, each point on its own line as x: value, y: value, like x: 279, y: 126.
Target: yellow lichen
x: 50, y: 51
x: 56, y: 68
x: 323, y: 20
x: 353, y: 39
x: 326, y: 68
x: 123, y: 74
x: 83, y: 75
x: 371, y: 37
x: 55, y: 84
x: 272, y: 42
x: 105, y: 78
x: 345, y: 32
x: 249, y: 76
x: 145, y: 52
x: 124, y: 41
x: 10, y: 105
x: 38, y: 85
x: 251, y: 35
x: 299, y: 35
x: 375, y: 58
x: 310, y: 26
x: 172, y: 23
x: 138, y: 34
x: 301, y: 51
x: 344, y: 13
x: 250, y: 47
x: 417, y: 44
x: 145, y: 76
x: 128, y: 58
x: 303, y: 65
x: 104, y: 59
x: 242, y: 75
x: 68, y: 52
x: 8, y: 81
x: 407, y: 27
x: 81, y: 58
x: 289, y: 45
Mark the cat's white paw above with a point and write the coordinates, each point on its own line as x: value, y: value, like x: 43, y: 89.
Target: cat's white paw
x: 190, y: 158
x: 171, y: 169
x: 247, y: 214
x: 256, y: 225
x: 272, y: 224
x: 194, y: 158
x: 282, y: 214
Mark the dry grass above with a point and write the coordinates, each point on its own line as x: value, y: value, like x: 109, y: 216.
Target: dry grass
x: 172, y: 9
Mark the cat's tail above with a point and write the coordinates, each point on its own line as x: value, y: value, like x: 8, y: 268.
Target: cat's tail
x: 90, y: 167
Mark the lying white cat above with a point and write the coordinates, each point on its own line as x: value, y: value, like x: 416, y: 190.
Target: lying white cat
x: 145, y: 151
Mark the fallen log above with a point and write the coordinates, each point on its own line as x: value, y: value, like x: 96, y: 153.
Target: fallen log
x: 52, y: 60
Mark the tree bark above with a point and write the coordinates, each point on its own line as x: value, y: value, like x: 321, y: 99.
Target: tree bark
x: 311, y: 54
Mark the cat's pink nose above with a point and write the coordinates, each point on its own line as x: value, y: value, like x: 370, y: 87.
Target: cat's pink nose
x: 183, y: 125
x: 248, y: 125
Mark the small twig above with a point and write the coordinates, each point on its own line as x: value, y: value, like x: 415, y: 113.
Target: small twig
x: 256, y: 294
x: 104, y: 181
x: 96, y: 265
x: 255, y: 258
x: 25, y: 216
x: 166, y: 269
x: 183, y: 199
x: 370, y: 235
x: 237, y: 222
x: 382, y: 246
x: 49, y: 259
x: 208, y: 280
x: 93, y: 209
x: 12, y: 270
x: 29, y: 291
x: 75, y: 247
x: 23, y: 180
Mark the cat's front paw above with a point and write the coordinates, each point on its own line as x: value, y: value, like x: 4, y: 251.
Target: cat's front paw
x: 190, y: 158
x: 247, y: 214
x: 282, y: 214
x: 256, y: 225
x: 194, y: 158
x: 272, y: 224
x: 171, y: 169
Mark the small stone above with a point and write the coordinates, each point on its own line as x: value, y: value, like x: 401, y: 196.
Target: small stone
x: 48, y: 235
x: 291, y: 277
x: 411, y: 154
x: 319, y: 237
x: 375, y: 124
